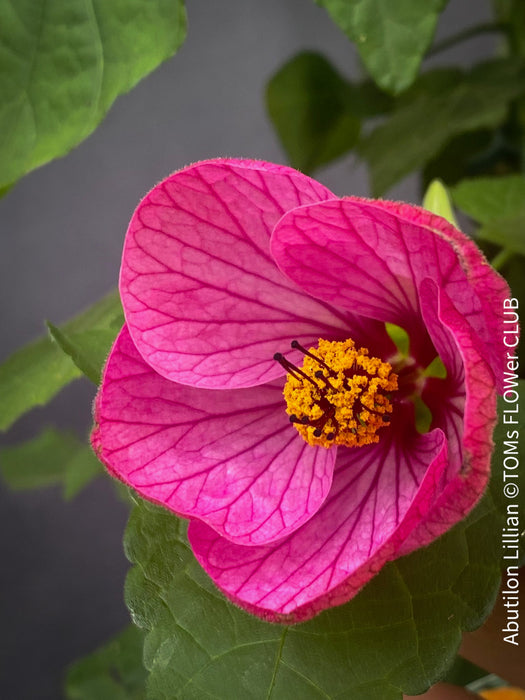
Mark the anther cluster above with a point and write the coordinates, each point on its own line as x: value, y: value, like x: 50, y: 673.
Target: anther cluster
x: 340, y: 395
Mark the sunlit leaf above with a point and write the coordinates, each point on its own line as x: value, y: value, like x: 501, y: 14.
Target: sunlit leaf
x: 391, y: 35
x: 87, y: 349
x: 64, y: 62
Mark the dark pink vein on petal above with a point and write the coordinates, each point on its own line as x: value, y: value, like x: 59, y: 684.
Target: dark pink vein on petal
x: 230, y: 458
x: 379, y: 493
x: 204, y: 301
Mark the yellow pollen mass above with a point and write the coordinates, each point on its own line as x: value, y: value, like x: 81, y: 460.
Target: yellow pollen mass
x: 340, y: 395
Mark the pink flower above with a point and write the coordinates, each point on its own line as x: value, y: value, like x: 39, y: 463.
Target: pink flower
x: 226, y: 263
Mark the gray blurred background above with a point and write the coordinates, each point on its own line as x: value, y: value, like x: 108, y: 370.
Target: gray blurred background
x: 62, y: 228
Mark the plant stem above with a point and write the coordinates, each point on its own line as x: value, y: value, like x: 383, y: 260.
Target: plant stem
x: 485, y: 28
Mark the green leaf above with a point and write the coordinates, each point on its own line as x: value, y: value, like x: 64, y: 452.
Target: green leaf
x: 310, y: 105
x: 4, y: 190
x: 390, y: 35
x: 34, y: 374
x: 499, y: 204
x: 441, y: 105
x: 114, y: 672
x: 486, y: 199
x: 401, y: 633
x: 508, y: 232
x: 468, y: 154
x: 463, y: 672
x: 437, y: 201
x: 512, y: 13
x: 53, y: 458
x: 88, y: 349
x: 64, y: 62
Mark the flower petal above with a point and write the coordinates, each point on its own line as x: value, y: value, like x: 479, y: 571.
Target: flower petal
x: 372, y: 258
x: 380, y: 492
x: 465, y: 409
x: 204, y: 302
x: 230, y: 458
x: 489, y: 286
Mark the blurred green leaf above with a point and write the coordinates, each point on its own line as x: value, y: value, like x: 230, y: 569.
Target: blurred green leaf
x: 498, y: 203
x: 463, y: 672
x: 4, y: 190
x: 512, y: 13
x: 486, y: 199
x: 401, y: 633
x: 33, y: 375
x: 441, y: 105
x: 113, y: 672
x: 470, y: 154
x: 64, y: 62
x: 508, y: 232
x: 50, y: 459
x: 310, y: 105
x: 390, y: 35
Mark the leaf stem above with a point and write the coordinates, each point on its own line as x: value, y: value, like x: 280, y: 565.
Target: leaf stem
x: 501, y: 258
x: 485, y: 28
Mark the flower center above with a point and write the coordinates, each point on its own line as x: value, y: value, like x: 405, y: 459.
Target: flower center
x: 340, y: 395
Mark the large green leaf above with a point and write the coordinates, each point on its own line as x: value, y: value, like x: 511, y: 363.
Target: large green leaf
x: 316, y: 112
x: 441, y: 105
x: 114, y: 672
x: 391, y: 35
x: 400, y: 634
x: 64, y: 62
x: 53, y: 458
x: 34, y: 374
